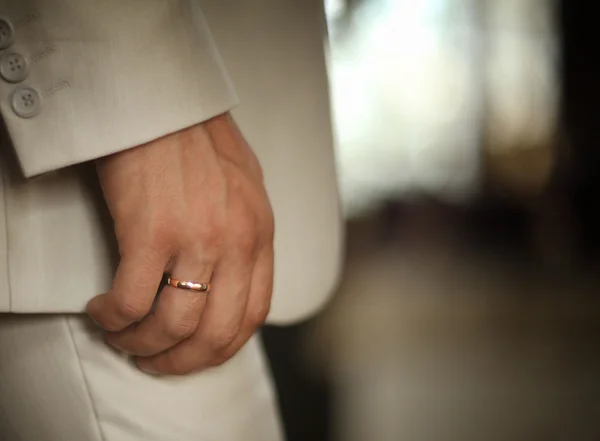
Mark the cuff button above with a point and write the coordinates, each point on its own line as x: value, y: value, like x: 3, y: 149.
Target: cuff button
x: 13, y: 67
x: 7, y: 33
x: 26, y: 102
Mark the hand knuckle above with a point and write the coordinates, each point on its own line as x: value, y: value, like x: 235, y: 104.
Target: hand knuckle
x: 212, y: 235
x: 219, y: 359
x: 179, y: 329
x: 269, y: 227
x: 245, y: 234
x: 215, y: 225
x: 132, y: 308
x: 246, y: 247
x: 222, y: 338
x: 161, y: 238
x: 180, y: 369
x: 212, y: 245
x: 266, y: 220
x: 258, y: 315
x: 176, y: 367
x: 171, y: 364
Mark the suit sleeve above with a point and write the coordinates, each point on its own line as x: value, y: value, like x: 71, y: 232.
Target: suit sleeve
x: 82, y: 79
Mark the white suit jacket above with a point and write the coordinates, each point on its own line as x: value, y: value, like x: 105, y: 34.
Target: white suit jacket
x: 81, y: 79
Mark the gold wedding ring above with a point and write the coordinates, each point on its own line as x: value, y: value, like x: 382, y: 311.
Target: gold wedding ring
x: 189, y: 286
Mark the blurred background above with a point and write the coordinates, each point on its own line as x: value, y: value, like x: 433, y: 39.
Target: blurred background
x: 467, y: 139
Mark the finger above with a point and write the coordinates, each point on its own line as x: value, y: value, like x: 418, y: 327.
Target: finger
x: 175, y: 317
x: 259, y: 304
x: 134, y: 289
x: 220, y: 323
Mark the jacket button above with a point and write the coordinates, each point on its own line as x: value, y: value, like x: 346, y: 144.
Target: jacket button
x: 13, y: 67
x: 26, y: 102
x: 7, y: 33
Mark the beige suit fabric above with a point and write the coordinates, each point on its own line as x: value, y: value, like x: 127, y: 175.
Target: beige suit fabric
x: 60, y: 382
x: 113, y: 74
x: 143, y: 82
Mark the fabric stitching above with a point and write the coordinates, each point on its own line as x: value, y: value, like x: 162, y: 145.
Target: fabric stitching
x: 85, y: 380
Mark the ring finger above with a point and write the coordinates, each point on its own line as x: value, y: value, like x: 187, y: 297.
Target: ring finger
x: 175, y: 317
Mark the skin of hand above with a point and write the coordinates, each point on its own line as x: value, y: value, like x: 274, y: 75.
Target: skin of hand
x: 191, y: 204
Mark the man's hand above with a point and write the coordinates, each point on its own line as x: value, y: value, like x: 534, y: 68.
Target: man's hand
x: 191, y: 204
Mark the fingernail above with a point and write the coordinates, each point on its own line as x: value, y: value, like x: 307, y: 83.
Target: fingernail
x: 114, y: 345
x: 146, y: 369
x: 93, y: 320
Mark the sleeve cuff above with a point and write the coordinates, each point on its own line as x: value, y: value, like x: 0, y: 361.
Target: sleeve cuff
x: 103, y: 77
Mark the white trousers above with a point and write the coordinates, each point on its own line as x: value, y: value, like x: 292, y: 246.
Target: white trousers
x: 60, y: 382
